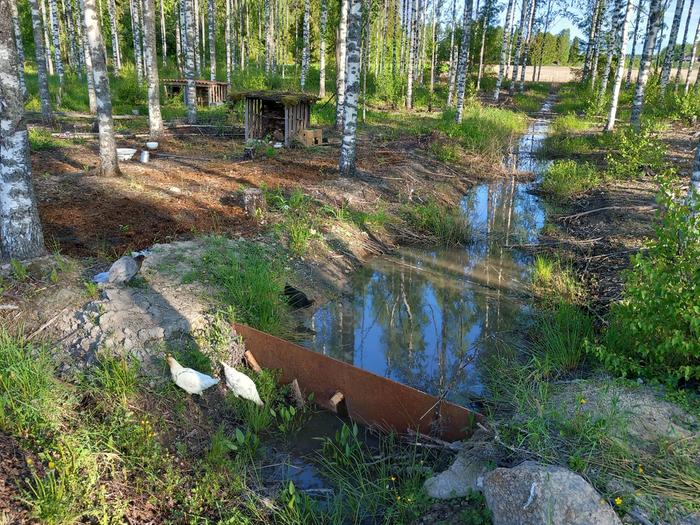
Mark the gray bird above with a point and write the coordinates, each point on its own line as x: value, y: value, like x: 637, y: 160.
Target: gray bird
x: 124, y: 269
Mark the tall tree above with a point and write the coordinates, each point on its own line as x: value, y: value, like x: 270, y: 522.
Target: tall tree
x: 694, y: 188
x: 108, y: 147
x: 322, y: 50
x: 412, y: 52
x: 306, y: 51
x: 620, y: 71
x: 634, y: 41
x: 597, y: 9
x: 56, y: 39
x: 113, y: 25
x: 462, y: 61
x: 163, y: 38
x: 437, y: 5
x: 352, y: 88
x: 212, y: 39
x: 504, y: 48
x: 524, y: 10
x: 340, y: 59
x: 20, y: 48
x: 40, y: 54
x: 655, y: 18
x: 136, y: 37
x: 21, y: 236
x: 691, y: 63
x: 47, y: 38
x: 228, y: 37
x: 670, y: 49
x: 612, y: 39
x: 190, y: 52
x: 484, y: 28
x: 155, y: 120
x: 92, y: 98
x: 683, y: 43
x: 269, y: 38
x: 452, y: 68
x: 526, y: 45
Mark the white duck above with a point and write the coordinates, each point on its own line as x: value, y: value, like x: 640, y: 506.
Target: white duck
x: 189, y: 380
x: 241, y: 385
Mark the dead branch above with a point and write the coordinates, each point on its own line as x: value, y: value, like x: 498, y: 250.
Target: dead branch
x: 606, y: 208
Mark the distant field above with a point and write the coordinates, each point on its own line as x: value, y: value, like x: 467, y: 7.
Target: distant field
x: 560, y: 74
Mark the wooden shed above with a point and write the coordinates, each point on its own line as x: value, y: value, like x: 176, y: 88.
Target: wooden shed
x: 279, y: 115
x: 209, y: 92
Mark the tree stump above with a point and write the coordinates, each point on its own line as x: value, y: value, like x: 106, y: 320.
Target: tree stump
x: 254, y: 202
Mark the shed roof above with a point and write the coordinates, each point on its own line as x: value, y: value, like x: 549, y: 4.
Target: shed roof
x: 198, y: 82
x: 288, y: 98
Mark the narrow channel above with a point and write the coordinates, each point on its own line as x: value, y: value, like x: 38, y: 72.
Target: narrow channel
x: 425, y: 317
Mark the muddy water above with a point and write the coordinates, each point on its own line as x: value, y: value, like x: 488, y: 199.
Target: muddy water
x: 427, y: 317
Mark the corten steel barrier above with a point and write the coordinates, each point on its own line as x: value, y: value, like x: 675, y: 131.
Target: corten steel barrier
x: 366, y: 397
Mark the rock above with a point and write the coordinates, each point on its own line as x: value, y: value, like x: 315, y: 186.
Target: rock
x: 479, y: 456
x: 534, y: 494
x: 254, y: 200
x: 124, y: 269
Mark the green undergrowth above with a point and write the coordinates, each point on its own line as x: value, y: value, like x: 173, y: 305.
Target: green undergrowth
x: 564, y: 179
x: 532, y: 99
x: 447, y: 224
x: 41, y: 139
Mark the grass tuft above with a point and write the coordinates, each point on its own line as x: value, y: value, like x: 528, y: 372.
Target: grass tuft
x: 447, y: 224
x: 565, y: 179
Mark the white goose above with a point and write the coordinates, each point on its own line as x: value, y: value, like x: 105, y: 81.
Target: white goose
x: 241, y: 385
x: 189, y: 380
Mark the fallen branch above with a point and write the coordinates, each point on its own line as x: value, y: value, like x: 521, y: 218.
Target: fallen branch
x: 9, y: 307
x: 456, y: 446
x: 606, y: 208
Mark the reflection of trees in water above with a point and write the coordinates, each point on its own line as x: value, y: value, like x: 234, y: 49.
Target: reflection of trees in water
x: 426, y: 311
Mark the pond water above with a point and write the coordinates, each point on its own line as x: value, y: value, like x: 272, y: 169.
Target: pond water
x: 426, y: 317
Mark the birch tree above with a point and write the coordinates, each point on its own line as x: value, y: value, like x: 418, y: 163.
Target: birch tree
x: 229, y: 43
x: 683, y: 43
x: 136, y: 37
x: 212, y: 40
x: 21, y: 236
x: 348, y: 146
x: 116, y: 51
x: 693, y: 57
x: 620, y: 71
x: 163, y: 39
x: 92, y: 98
x: 322, y: 49
x: 306, y: 51
x: 670, y: 49
x: 526, y: 45
x: 634, y: 41
x: 189, y: 51
x: 694, y: 187
x: 269, y: 39
x: 412, y: 51
x: 155, y: 120
x: 341, y: 48
x: 108, y: 147
x: 20, y: 48
x: 597, y: 8
x: 612, y: 39
x: 40, y: 56
x: 655, y: 18
x: 437, y: 8
x: 47, y: 38
x: 463, y: 59
x: 56, y: 40
x: 484, y: 26
x: 524, y: 10
x: 504, y: 48
x: 452, y: 66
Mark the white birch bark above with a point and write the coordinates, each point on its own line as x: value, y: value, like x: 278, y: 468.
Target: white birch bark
x: 511, y: 39
x: 670, y: 49
x: 212, y: 40
x: 524, y: 12
x: 693, y: 57
x: 596, y: 46
x: 155, y: 120
x: 655, y: 18
x: 47, y: 38
x: 504, y: 48
x: 348, y: 146
x: 227, y: 37
x: 269, y: 39
x: 437, y: 7
x: 341, y: 49
x: 683, y: 43
x: 163, y: 38
x: 694, y: 187
x: 615, y: 15
x: 40, y: 53
x: 108, y: 147
x: 322, y: 49
x: 114, y: 30
x: 180, y: 37
x: 306, y: 51
x: 452, y: 68
x: 195, y: 42
x: 619, y: 73
x: 462, y: 61
x: 136, y: 37
x: 70, y: 32
x: 638, y: 18
x: 92, y: 98
x: 20, y: 228
x: 413, y: 48
x: 592, y: 35
x: 19, y: 47
x: 56, y: 40
x: 526, y: 45
x: 484, y: 27
x: 395, y: 35
x: 189, y: 51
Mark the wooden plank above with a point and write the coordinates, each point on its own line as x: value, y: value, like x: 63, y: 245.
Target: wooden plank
x: 246, y: 120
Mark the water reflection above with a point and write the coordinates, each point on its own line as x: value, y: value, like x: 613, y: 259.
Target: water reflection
x: 425, y: 317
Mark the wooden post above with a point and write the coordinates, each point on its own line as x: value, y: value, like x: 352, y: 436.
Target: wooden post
x: 246, y: 119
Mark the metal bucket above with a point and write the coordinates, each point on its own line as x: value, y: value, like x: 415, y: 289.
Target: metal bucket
x: 145, y: 157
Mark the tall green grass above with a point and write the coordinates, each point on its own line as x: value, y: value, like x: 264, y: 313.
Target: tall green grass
x: 447, y: 224
x: 565, y: 179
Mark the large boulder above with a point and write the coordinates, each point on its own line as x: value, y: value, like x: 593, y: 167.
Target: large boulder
x: 534, y: 494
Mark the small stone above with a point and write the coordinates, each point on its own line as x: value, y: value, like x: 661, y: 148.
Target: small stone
x: 174, y: 190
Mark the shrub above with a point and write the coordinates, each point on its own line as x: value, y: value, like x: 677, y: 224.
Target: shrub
x: 566, y: 178
x: 448, y: 224
x: 654, y: 331
x: 636, y: 153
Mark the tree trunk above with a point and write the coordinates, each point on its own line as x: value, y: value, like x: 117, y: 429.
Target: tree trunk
x: 92, y: 98
x: 395, y: 35
x: 71, y: 34
x: 526, y: 45
x: 616, y: 21
x: 136, y: 36
x: 227, y: 37
x: 196, y: 41
x: 634, y: 41
x: 163, y: 39
x: 20, y: 228
x: 190, y: 52
x: 620, y: 66
x: 462, y: 61
x: 524, y: 11
x: 347, y: 149
x: 683, y: 43
x: 341, y: 49
x: 504, y: 48
x: 670, y: 49
x: 364, y: 53
x: 179, y: 36
x: 17, y: 33
x: 47, y: 38
x: 56, y: 39
x: 694, y: 187
x: 212, y: 40
x: 413, y: 48
x: 693, y: 57
x: 592, y: 35
x: 547, y: 21
x: 108, y: 148
x: 596, y: 45
x: 655, y: 18
x: 437, y: 4
x: 40, y: 55
x: 484, y: 27
x: 306, y: 51
x: 114, y: 29
x: 451, y: 70
x: 155, y: 121
x: 269, y: 41
x: 322, y: 50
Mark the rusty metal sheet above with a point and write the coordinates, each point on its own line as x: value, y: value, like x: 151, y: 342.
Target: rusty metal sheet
x: 368, y: 398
